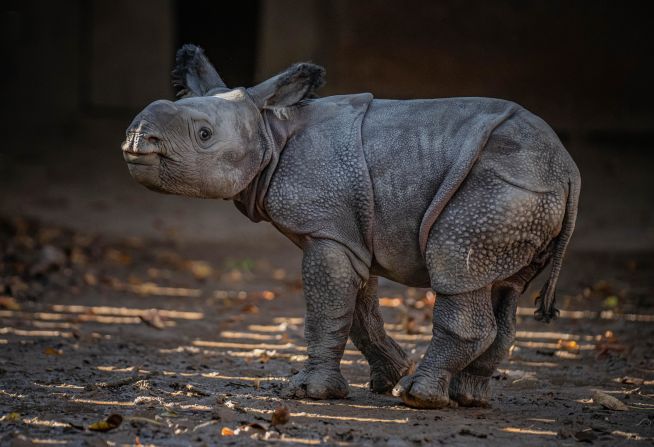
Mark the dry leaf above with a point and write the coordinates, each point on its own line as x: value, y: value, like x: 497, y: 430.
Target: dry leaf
x: 50, y: 258
x: 117, y: 257
x: 607, y: 343
x: 602, y: 286
x: 226, y: 431
x: 144, y: 420
x: 567, y: 345
x: 78, y: 257
x: 632, y: 380
x: 252, y: 426
x: 52, y: 351
x: 280, y: 416
x: 153, y: 319
x: 11, y: 417
x: 268, y: 295
x: 110, y: 423
x: 390, y: 302
x: 90, y: 279
x: 118, y: 382
x: 201, y: 270
x: 9, y: 303
x: 608, y: 401
x: 196, y: 390
x: 250, y: 309
x: 611, y: 302
x: 411, y: 326
x: 430, y: 298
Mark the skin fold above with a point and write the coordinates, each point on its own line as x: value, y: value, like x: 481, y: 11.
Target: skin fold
x: 472, y: 197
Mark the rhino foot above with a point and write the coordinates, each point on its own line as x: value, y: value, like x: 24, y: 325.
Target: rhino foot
x: 383, y: 377
x: 316, y: 383
x: 470, y: 390
x: 422, y: 390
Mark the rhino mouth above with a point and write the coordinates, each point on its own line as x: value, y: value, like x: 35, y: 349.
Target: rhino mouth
x: 132, y: 158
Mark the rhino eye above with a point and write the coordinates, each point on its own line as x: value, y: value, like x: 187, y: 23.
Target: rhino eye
x: 204, y: 133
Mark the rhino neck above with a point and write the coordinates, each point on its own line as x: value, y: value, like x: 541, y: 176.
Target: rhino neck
x: 273, y: 135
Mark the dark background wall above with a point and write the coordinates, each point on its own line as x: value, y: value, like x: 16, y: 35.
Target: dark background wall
x: 585, y: 66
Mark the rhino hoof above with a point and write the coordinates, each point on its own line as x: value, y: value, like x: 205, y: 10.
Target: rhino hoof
x: 383, y: 379
x: 470, y: 390
x: 422, y: 391
x: 317, y: 384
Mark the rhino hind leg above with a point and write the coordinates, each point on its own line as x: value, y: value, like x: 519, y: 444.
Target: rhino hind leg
x: 388, y: 361
x: 489, y: 231
x: 471, y: 387
x: 464, y: 327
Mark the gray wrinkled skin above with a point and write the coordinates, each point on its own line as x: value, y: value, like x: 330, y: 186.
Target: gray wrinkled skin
x: 472, y: 197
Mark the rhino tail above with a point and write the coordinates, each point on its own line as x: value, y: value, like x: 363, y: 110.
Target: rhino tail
x: 545, y: 310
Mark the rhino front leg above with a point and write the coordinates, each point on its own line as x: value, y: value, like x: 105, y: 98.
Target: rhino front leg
x: 464, y: 327
x: 387, y: 360
x: 330, y: 290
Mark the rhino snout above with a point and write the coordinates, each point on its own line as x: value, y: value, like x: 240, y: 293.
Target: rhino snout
x: 141, y: 142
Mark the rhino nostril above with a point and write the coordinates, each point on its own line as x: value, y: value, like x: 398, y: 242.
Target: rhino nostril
x: 153, y: 140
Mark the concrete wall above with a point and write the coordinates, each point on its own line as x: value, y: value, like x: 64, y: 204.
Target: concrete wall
x: 131, y: 49
x: 41, y: 63
x: 70, y: 59
x: 74, y: 72
x: 582, y: 65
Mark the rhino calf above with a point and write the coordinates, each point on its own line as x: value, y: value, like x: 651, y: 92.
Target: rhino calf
x: 472, y: 197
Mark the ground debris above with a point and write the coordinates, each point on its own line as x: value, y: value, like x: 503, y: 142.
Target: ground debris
x: 110, y: 423
x: 9, y: 303
x: 628, y: 380
x: 153, y: 319
x: 10, y: 417
x: 568, y: 345
x: 608, y: 343
x: 281, y: 415
x: 52, y: 351
x: 468, y: 432
x: 135, y: 420
x: 190, y: 389
x: 226, y: 431
x: 121, y: 382
x: 50, y: 258
x: 608, y: 401
x: 572, y: 430
x: 246, y: 357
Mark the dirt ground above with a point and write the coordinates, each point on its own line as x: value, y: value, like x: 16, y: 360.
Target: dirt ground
x: 192, y: 344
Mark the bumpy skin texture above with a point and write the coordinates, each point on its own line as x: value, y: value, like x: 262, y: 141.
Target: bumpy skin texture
x: 388, y: 362
x: 469, y: 196
x: 471, y: 386
x: 464, y: 328
x: 330, y: 284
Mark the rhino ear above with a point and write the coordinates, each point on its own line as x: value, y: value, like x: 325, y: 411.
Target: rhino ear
x: 193, y: 74
x: 298, y: 82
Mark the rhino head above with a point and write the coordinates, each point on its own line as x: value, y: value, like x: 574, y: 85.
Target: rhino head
x: 211, y: 142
